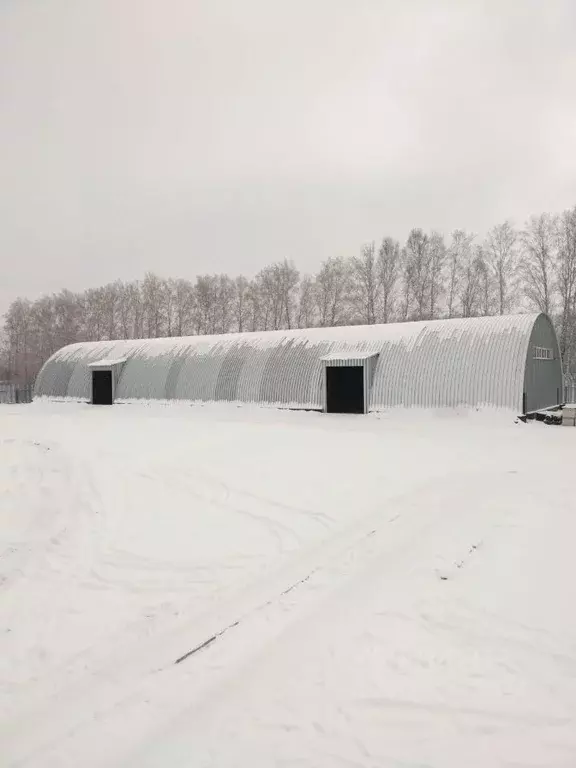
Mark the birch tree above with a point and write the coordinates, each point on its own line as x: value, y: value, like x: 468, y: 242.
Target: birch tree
x: 566, y: 281
x: 205, y: 298
x: 332, y: 288
x: 254, y: 307
x: 470, y: 283
x: 539, y: 261
x: 365, y: 283
x: 18, y: 331
x: 388, y: 274
x: 66, y: 318
x: 485, y: 282
x: 406, y: 290
x: 306, y: 303
x: 437, y: 260
x: 240, y: 303
x: 417, y: 256
x: 183, y: 306
x: 502, y: 256
x: 153, y: 300
x: 459, y: 254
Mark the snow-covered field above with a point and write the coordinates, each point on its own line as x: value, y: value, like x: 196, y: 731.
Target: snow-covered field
x: 394, y: 590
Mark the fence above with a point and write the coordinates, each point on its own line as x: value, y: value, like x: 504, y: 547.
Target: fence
x: 569, y: 390
x: 10, y: 393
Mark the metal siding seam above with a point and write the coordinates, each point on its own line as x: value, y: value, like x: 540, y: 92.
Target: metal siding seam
x: 519, y: 365
x: 503, y: 365
x: 130, y: 351
x: 518, y: 370
x: 387, y: 375
x: 475, y: 357
x: 449, y: 342
x: 496, y: 381
x: 510, y: 365
x: 317, y: 381
x: 488, y: 381
x: 446, y: 354
x: 468, y: 343
x: 434, y: 389
x: 249, y: 374
x: 421, y: 357
x: 416, y: 358
x: 407, y: 384
x: 457, y: 369
x: 428, y: 392
x: 398, y: 359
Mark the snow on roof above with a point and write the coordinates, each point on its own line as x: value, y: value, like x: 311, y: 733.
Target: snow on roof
x: 433, y: 364
x: 354, y: 354
x: 107, y: 363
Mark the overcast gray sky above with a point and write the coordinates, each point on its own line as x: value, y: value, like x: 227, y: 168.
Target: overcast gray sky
x: 187, y: 136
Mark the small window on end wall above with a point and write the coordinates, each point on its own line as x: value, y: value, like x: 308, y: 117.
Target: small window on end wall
x: 543, y: 353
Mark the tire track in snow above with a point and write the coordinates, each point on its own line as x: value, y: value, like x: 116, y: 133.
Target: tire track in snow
x: 345, y: 549
x: 40, y: 478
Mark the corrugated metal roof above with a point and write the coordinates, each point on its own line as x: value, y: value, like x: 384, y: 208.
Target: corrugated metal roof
x: 472, y: 361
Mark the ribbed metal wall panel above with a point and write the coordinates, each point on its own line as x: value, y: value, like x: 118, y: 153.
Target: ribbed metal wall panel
x: 544, y: 382
x: 470, y: 362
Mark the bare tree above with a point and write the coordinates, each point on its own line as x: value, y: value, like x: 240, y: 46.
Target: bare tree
x: 459, y: 254
x: 205, y: 298
x: 19, y: 353
x: 278, y: 291
x: 332, y: 292
x: 94, y: 314
x: 406, y: 284
x: 566, y: 279
x: 66, y: 318
x: 388, y: 273
x: 254, y: 307
x: 240, y: 305
x: 437, y: 260
x: 225, y: 294
x: 417, y: 255
x: 45, y: 341
x: 538, y: 262
x: 125, y: 315
x: 502, y: 257
x: 485, y: 282
x: 183, y: 306
x: 366, y: 283
x: 306, y: 303
x: 153, y: 299
x: 470, y: 283
x: 110, y: 300
x: 288, y: 279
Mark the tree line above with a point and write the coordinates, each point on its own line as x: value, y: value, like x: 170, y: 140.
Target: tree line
x: 427, y: 277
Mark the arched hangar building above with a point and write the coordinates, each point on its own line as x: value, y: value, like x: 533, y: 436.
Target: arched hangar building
x: 506, y: 362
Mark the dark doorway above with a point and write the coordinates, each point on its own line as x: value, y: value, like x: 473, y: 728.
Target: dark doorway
x: 102, y: 388
x: 345, y: 389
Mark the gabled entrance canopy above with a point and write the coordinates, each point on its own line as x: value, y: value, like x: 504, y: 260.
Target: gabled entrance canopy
x: 348, y: 379
x: 104, y: 378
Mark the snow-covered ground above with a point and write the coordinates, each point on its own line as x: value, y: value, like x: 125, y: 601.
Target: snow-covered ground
x: 393, y: 590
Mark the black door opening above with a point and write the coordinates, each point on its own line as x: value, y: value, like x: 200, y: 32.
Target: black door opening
x: 102, y: 388
x: 345, y: 389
